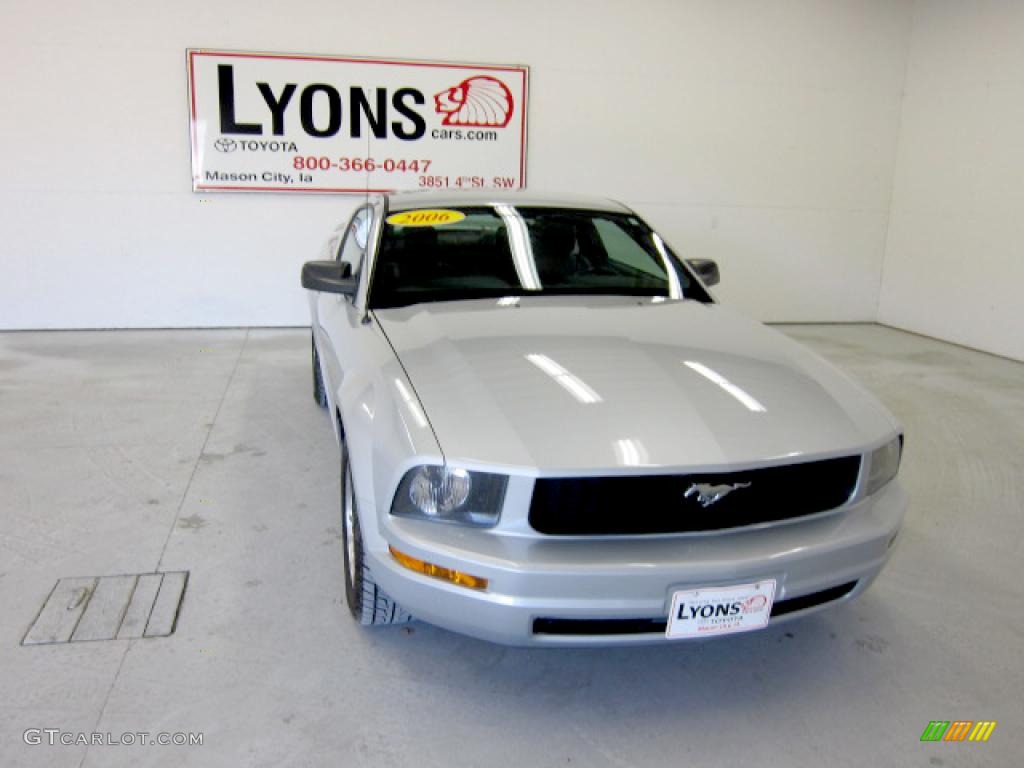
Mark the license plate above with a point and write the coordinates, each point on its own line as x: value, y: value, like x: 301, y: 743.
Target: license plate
x: 714, y: 611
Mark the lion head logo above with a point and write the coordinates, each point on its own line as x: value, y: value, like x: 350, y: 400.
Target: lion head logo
x: 755, y: 603
x: 480, y: 100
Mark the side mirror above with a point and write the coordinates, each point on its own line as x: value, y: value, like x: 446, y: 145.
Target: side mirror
x: 329, y: 277
x: 706, y: 269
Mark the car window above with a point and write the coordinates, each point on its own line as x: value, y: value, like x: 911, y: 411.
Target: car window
x: 353, y: 247
x: 624, y: 251
x: 501, y: 250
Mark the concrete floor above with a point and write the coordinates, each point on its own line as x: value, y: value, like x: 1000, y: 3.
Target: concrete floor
x: 125, y: 452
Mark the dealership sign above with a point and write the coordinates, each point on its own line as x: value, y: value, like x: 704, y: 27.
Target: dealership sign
x: 295, y: 123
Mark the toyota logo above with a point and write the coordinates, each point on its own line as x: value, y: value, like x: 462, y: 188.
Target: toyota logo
x: 225, y: 145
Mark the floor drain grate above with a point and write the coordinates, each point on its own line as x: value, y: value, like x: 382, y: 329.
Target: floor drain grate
x: 109, y: 607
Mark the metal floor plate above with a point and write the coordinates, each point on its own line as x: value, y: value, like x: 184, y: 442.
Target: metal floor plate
x: 109, y: 607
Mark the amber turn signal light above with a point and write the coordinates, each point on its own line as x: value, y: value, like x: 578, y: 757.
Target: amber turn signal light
x: 437, y: 571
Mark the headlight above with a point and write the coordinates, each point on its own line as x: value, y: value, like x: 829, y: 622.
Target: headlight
x: 450, y: 495
x: 885, y: 463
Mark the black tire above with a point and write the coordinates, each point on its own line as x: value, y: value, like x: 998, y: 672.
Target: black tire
x: 370, y: 605
x: 319, y: 393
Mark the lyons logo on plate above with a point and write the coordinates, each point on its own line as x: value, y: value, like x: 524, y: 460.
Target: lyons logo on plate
x: 721, y: 610
x: 425, y: 218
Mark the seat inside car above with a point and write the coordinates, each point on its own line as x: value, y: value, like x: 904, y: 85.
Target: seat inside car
x: 554, y: 249
x: 407, y: 260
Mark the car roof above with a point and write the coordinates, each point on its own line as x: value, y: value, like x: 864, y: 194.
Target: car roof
x: 405, y: 201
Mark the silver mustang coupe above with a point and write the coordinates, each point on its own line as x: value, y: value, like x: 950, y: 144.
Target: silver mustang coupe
x: 552, y: 434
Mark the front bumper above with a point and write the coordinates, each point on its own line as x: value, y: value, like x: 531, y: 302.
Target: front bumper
x: 591, y: 579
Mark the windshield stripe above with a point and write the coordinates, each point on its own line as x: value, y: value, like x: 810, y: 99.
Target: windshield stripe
x: 522, y: 251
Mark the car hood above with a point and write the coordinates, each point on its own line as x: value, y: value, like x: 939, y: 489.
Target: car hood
x: 585, y: 385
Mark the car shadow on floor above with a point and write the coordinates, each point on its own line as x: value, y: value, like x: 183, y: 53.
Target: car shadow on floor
x: 735, y: 675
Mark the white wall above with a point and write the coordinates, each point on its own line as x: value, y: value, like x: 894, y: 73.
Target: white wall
x: 762, y: 134
x: 954, y: 264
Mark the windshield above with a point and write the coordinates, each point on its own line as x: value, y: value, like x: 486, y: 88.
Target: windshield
x: 495, y: 251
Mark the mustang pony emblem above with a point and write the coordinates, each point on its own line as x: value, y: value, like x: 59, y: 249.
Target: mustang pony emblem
x: 708, y: 494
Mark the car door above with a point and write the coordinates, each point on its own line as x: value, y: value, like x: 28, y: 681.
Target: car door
x: 339, y: 317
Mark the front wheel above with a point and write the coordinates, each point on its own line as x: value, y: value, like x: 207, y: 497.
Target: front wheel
x: 370, y: 605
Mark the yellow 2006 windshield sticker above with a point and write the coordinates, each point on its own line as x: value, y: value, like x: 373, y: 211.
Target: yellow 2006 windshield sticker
x: 432, y: 217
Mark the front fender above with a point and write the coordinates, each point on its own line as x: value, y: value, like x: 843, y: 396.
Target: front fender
x: 385, y: 427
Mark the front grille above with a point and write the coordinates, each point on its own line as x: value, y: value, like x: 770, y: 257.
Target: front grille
x: 594, y: 627
x: 596, y: 506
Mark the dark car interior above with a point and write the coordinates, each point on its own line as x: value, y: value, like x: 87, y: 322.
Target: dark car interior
x: 573, y: 252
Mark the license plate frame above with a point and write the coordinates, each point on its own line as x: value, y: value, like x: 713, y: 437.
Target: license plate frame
x: 733, y: 608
